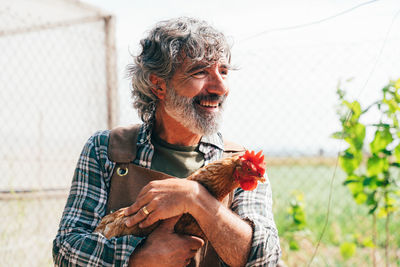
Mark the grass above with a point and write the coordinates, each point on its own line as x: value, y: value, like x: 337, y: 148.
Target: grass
x: 347, y: 220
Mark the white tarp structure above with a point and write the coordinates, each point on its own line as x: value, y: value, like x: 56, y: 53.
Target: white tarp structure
x: 57, y: 86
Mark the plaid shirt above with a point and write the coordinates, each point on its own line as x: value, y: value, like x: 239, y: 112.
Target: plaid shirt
x: 77, y: 245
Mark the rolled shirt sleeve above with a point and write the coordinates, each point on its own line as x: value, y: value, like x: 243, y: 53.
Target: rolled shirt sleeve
x: 75, y: 243
x: 256, y: 207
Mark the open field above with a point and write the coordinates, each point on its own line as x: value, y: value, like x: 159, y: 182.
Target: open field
x: 30, y: 224
x: 347, y: 220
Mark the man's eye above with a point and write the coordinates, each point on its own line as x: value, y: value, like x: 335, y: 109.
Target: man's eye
x: 199, y: 73
x: 224, y: 72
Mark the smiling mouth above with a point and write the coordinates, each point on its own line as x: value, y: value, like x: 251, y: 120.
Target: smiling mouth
x: 209, y: 104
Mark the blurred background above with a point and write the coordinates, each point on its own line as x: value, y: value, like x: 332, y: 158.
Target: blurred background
x: 63, y: 77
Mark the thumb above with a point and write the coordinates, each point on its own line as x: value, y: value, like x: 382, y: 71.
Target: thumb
x: 169, y: 223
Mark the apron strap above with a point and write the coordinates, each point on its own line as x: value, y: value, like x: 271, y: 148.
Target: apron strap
x: 122, y: 143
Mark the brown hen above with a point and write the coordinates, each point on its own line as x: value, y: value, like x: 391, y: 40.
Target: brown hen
x: 219, y: 177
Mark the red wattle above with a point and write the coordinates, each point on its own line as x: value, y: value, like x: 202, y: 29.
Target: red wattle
x: 248, y: 185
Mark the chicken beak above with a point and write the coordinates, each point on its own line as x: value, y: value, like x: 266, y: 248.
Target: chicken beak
x: 259, y: 178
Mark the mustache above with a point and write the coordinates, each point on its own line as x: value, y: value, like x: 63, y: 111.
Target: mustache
x: 210, y: 97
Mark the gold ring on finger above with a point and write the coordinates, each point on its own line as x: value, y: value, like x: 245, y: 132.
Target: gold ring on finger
x: 145, y: 211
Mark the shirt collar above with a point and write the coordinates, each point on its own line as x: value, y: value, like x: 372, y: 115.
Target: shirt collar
x: 214, y: 140
x: 212, y: 146
x: 144, y: 137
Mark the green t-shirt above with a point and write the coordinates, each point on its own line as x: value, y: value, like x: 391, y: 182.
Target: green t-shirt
x: 175, y: 160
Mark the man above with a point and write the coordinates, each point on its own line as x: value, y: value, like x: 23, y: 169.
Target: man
x: 179, y: 85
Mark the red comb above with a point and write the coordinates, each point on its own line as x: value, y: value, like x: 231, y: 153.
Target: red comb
x: 256, y: 159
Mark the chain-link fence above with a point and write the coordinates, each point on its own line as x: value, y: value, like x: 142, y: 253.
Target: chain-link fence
x: 290, y: 113
x: 286, y: 97
x: 57, y: 80
x: 57, y: 85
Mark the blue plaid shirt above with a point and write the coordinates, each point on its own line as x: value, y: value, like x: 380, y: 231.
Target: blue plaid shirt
x: 77, y: 245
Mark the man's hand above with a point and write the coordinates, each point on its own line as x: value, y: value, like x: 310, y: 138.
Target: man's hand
x: 165, y: 248
x: 163, y: 199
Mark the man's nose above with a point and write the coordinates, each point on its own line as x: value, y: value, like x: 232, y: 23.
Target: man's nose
x: 218, y: 84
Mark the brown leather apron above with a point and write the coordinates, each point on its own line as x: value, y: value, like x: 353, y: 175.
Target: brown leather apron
x: 128, y: 179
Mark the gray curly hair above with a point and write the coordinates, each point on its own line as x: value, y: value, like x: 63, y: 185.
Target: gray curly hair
x: 162, y: 52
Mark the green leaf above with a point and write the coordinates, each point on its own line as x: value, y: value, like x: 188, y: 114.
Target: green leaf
x: 355, y: 110
x: 383, y: 125
x: 382, y: 183
x: 373, y: 209
x: 357, y: 190
x: 349, y: 181
x: 347, y: 250
x: 297, y: 212
x: 371, y: 199
x: 396, y: 95
x: 371, y: 182
x: 356, y: 135
x: 377, y: 165
x: 395, y: 164
x: 340, y: 92
x: 339, y: 135
x: 353, y: 178
x: 361, y: 198
x: 387, y: 152
x: 395, y: 120
x: 350, y: 160
x: 397, y: 84
x: 382, y: 139
x: 299, y: 218
x: 367, y: 242
x: 397, y: 153
x: 386, y: 89
x: 392, y: 104
x: 294, y: 245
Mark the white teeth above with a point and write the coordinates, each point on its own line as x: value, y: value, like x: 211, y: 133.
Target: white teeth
x: 206, y: 103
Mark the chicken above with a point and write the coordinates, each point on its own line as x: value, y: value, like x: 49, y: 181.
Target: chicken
x: 219, y: 177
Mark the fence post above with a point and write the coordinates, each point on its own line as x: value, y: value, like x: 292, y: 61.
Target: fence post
x: 111, y: 72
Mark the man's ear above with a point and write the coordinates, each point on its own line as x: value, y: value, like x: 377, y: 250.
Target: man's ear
x: 159, y: 88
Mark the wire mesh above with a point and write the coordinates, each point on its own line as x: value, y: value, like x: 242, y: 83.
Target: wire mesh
x: 283, y: 100
x: 53, y: 97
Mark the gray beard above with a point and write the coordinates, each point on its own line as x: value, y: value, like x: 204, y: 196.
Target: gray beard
x: 184, y: 110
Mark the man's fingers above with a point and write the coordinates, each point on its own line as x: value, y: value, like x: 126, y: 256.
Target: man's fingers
x: 135, y: 219
x: 132, y: 209
x: 153, y: 217
x: 139, y: 203
x: 140, y: 215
